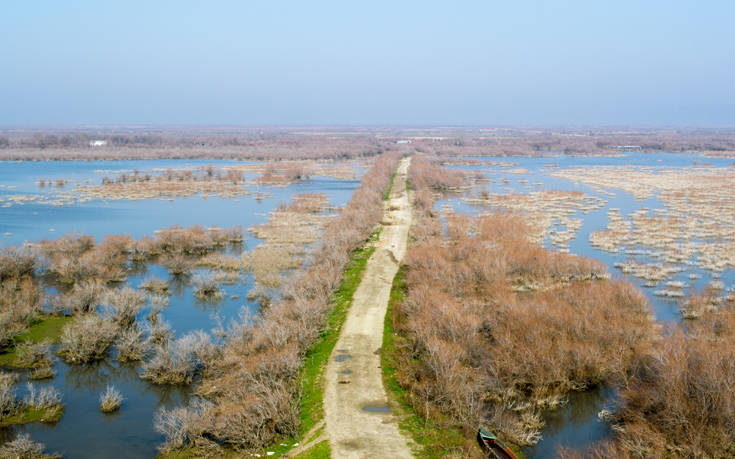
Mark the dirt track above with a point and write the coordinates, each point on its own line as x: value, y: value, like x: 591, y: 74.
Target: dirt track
x: 353, y: 430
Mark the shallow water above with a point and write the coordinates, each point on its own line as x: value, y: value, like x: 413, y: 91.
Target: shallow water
x: 576, y: 424
x: 84, y: 431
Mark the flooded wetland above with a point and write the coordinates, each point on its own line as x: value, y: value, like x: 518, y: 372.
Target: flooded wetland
x: 256, y: 223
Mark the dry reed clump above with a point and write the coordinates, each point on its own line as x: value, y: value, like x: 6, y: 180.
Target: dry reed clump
x: 253, y: 385
x: 179, y: 361
x: 87, y: 338
x: 220, y: 261
x: 495, y: 329
x: 679, y: 401
x: 155, y: 286
x: 110, y: 400
x: 22, y: 447
x: 268, y: 261
x: 206, y: 287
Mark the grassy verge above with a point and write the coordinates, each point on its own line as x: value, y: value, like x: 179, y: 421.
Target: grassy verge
x: 28, y: 415
x: 386, y: 196
x: 319, y: 451
x: 434, y: 441
x: 312, y: 407
x: 44, y: 327
x: 315, y: 361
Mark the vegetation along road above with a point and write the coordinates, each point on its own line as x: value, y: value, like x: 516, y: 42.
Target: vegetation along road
x: 359, y: 422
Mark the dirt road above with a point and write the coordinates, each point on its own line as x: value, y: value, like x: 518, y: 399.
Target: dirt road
x: 359, y: 423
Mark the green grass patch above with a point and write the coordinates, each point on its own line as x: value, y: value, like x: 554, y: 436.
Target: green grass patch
x: 319, y: 451
x: 315, y: 362
x: 43, y: 327
x: 386, y: 196
x: 28, y: 414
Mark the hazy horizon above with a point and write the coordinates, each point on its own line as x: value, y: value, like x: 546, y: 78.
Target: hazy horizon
x: 381, y: 64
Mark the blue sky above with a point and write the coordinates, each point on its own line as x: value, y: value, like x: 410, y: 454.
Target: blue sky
x: 345, y: 62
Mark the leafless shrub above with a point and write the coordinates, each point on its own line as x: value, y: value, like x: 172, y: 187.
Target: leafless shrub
x: 110, y: 400
x: 680, y: 398
x: 495, y: 329
x: 177, y: 362
x: 87, y: 338
x: 177, y: 264
x: 159, y: 331
x: 122, y: 306
x: 85, y: 296
x: 33, y: 355
x: 207, y: 288
x: 20, y: 300
x: 44, y: 372
x: 132, y: 344
x: 16, y: 263
x: 43, y: 398
x: 8, y: 397
x: 155, y: 286
x: 185, y: 426
x: 22, y: 447
x: 252, y: 384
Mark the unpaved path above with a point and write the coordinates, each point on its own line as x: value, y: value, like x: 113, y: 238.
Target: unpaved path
x: 353, y: 375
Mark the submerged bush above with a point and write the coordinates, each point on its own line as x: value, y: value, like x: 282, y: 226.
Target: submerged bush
x: 122, y: 306
x: 131, y: 344
x: 207, y: 288
x: 110, y: 400
x: 22, y: 447
x: 177, y: 362
x: 33, y: 355
x: 87, y: 338
x: 186, y: 426
x: 43, y: 398
x: 8, y: 397
x: 155, y: 285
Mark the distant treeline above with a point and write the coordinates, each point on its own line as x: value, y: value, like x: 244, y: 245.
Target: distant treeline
x: 335, y: 142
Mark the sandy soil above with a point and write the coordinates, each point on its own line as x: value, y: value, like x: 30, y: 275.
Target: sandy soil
x: 353, y: 375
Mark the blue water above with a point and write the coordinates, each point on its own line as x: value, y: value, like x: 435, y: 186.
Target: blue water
x: 575, y: 424
x: 84, y: 431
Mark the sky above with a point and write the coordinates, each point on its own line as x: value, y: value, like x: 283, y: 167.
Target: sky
x: 274, y: 62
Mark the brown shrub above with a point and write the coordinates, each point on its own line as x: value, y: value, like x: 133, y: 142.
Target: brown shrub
x: 253, y: 385
x: 681, y: 399
x: 496, y: 329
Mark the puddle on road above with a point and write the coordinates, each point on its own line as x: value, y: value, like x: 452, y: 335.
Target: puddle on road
x: 342, y: 357
x: 376, y: 408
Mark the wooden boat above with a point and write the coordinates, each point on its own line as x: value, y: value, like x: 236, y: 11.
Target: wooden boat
x: 492, y: 445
